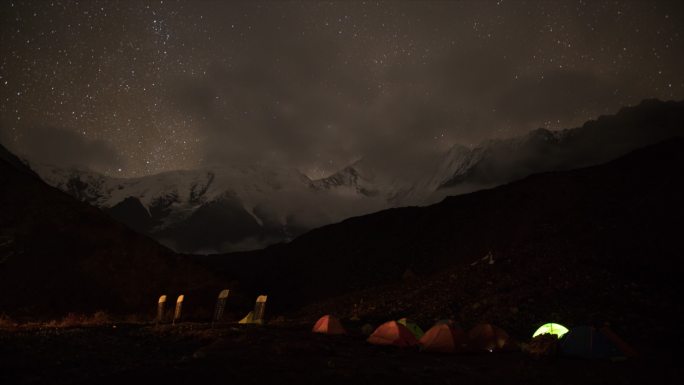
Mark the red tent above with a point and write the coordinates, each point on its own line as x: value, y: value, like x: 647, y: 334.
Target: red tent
x: 488, y: 338
x: 444, y: 338
x: 392, y: 333
x: 328, y: 325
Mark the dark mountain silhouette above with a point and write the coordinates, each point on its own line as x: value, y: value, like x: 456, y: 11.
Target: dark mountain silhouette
x: 13, y: 161
x: 212, y: 225
x: 60, y: 255
x: 603, y: 240
x: 133, y: 214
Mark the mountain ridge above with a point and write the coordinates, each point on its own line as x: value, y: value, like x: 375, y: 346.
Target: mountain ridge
x: 266, y: 205
x: 571, y: 232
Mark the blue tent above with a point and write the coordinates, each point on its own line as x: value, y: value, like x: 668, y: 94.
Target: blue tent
x: 589, y: 342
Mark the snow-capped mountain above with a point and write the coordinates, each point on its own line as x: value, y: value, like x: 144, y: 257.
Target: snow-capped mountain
x: 355, y: 177
x: 214, y: 209
x: 504, y: 160
x: 494, y: 162
x: 239, y: 208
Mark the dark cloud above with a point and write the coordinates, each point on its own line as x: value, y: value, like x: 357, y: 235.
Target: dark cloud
x: 57, y: 146
x: 558, y: 95
x: 317, y: 85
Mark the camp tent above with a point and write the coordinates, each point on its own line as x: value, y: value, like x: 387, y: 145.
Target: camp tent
x: 220, y: 305
x: 257, y: 315
x: 413, y: 327
x: 488, y: 338
x: 260, y: 309
x: 444, y: 338
x: 249, y: 318
x: 328, y: 325
x: 551, y: 328
x: 590, y: 342
x: 392, y: 333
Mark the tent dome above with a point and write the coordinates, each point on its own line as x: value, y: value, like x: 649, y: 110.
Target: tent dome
x: 444, y: 338
x: 551, y: 328
x: 393, y: 333
x: 413, y: 327
x: 590, y: 342
x: 328, y: 325
x: 488, y: 338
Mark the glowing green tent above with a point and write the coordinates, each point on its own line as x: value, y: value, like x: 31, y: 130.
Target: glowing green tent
x: 413, y: 327
x: 551, y: 328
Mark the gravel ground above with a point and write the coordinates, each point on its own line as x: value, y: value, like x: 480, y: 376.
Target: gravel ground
x: 238, y: 354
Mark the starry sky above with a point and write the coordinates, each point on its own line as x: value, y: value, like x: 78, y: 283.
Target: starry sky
x: 133, y: 88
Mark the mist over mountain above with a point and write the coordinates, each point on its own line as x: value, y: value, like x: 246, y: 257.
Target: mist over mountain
x: 237, y: 208
x: 211, y: 210
x: 595, y: 142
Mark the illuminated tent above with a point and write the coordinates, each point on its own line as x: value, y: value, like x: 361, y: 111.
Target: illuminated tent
x: 328, y: 325
x: 589, y: 342
x: 392, y: 333
x: 249, y: 318
x: 551, y: 328
x: 488, y: 338
x: 413, y: 327
x: 444, y: 338
x: 257, y: 315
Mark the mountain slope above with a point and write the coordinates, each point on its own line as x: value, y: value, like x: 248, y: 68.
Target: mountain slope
x: 248, y: 207
x: 213, y: 209
x: 597, y: 141
x: 596, y: 242
x: 498, y: 161
x: 60, y: 255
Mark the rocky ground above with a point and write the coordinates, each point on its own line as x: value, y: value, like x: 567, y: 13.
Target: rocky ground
x: 243, y: 354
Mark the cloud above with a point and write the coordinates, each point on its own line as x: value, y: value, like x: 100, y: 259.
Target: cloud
x: 308, y: 100
x: 559, y: 95
x: 58, y: 146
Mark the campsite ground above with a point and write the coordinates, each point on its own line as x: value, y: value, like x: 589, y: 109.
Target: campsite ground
x: 193, y: 353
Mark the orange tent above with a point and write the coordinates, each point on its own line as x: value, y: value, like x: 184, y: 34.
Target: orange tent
x: 328, y: 325
x: 488, y: 338
x: 392, y: 333
x: 444, y: 338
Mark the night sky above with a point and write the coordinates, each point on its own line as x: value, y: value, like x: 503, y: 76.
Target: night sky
x: 133, y: 88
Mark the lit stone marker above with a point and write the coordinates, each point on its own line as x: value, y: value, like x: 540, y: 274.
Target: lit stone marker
x: 260, y: 309
x: 161, y: 307
x: 179, y: 308
x: 220, y: 305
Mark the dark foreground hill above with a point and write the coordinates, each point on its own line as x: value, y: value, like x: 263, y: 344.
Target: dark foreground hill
x: 59, y: 255
x: 597, y: 244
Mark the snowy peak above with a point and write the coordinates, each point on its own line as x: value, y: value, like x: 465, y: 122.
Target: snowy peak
x: 355, y: 178
x: 457, y: 162
x: 215, y: 209
x: 482, y: 165
x: 503, y: 160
